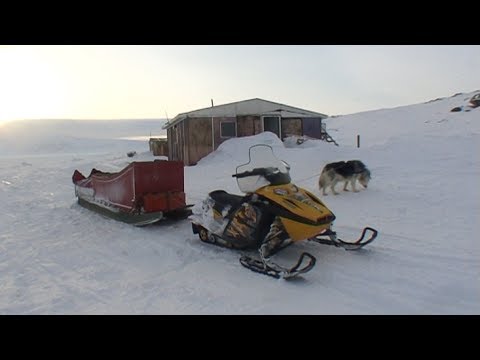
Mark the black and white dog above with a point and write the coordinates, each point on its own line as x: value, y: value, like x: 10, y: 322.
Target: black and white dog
x: 348, y: 171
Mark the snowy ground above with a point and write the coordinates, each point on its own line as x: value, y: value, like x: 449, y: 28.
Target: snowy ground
x: 59, y: 258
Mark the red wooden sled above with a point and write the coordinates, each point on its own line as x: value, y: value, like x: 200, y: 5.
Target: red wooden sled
x: 140, y: 194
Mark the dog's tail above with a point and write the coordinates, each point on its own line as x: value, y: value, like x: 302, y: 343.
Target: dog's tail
x: 322, y: 180
x: 326, y: 177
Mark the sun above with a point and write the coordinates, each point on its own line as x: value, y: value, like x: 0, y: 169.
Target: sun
x: 30, y: 85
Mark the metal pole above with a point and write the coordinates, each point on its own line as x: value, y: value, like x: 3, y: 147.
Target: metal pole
x: 358, y: 141
x: 213, y: 131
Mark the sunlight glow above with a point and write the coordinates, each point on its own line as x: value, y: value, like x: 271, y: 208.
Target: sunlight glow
x: 30, y: 87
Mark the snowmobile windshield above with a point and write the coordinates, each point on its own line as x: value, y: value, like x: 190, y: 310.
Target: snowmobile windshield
x: 263, y: 169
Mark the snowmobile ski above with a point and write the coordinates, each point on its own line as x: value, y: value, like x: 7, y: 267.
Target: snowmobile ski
x: 264, y: 267
x: 271, y: 269
x: 333, y: 240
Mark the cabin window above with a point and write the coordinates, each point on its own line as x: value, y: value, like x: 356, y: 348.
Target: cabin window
x: 228, y: 129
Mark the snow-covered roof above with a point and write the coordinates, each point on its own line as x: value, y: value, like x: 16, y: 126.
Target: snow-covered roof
x: 246, y: 107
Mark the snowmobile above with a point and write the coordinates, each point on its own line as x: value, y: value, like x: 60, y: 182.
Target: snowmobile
x: 273, y: 214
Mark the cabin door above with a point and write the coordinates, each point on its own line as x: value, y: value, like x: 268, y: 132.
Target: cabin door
x: 272, y: 123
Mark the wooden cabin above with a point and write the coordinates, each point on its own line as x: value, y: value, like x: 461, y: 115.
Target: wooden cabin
x: 195, y: 134
x: 158, y: 146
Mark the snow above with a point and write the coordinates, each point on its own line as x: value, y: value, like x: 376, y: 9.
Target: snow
x: 59, y: 258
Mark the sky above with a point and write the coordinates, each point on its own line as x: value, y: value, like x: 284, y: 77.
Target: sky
x: 57, y: 257
x: 161, y: 81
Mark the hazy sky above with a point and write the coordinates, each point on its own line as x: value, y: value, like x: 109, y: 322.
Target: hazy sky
x: 125, y: 82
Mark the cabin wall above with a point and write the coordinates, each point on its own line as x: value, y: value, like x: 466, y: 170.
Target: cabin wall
x: 191, y: 140
x: 248, y: 125
x: 291, y: 127
x: 198, y: 139
x: 175, y: 136
x: 251, y: 125
x: 158, y: 146
x: 312, y: 127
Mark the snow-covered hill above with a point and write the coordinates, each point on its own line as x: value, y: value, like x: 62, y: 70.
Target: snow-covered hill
x: 433, y: 118
x: 59, y: 258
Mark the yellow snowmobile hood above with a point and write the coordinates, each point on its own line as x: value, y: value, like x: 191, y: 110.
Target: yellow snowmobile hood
x: 304, y: 215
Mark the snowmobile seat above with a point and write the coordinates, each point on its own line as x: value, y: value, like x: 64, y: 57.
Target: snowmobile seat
x: 223, y: 199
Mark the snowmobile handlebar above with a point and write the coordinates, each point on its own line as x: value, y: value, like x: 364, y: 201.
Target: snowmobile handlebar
x: 256, y: 171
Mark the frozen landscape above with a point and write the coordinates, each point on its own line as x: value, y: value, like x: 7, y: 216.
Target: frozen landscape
x: 59, y: 258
